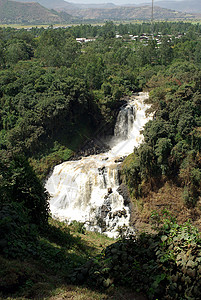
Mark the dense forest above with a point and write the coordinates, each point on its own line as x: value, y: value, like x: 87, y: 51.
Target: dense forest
x: 55, y: 93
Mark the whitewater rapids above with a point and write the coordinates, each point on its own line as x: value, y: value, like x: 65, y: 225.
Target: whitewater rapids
x: 86, y: 190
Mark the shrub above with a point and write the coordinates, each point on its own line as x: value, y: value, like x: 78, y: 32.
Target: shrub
x: 165, y: 265
x: 18, y: 235
x: 19, y: 184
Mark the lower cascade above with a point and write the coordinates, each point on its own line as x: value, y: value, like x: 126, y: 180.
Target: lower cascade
x: 87, y: 190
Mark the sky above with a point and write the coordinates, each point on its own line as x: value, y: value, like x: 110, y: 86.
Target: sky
x: 114, y: 1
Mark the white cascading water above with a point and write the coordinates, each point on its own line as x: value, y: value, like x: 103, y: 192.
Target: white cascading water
x: 86, y: 190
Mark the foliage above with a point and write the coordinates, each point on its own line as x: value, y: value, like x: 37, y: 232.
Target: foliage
x: 19, y: 184
x: 31, y: 265
x: 170, y: 148
x: 78, y: 226
x: 55, y: 94
x: 18, y: 235
x: 165, y: 265
x: 50, y: 83
x: 23, y: 275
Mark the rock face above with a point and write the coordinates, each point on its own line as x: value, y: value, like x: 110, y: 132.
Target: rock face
x: 92, y: 147
x: 123, y: 191
x: 88, y: 190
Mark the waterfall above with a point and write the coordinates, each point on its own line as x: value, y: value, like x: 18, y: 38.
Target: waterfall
x: 124, y: 123
x: 86, y: 190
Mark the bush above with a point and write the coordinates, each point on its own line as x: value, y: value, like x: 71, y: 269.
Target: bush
x: 18, y: 235
x: 78, y: 226
x: 24, y: 278
x: 165, y: 265
x: 19, y: 184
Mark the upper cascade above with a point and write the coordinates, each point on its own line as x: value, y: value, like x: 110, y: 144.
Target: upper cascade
x: 87, y: 190
x: 124, y: 123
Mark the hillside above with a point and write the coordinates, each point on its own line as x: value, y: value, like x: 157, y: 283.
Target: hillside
x: 50, y: 4
x: 191, y: 6
x: 29, y: 13
x: 61, y: 4
x: 130, y: 13
x: 24, y: 12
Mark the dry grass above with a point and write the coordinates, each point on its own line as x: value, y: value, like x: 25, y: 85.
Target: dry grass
x: 167, y: 197
x: 83, y: 293
x: 96, y: 241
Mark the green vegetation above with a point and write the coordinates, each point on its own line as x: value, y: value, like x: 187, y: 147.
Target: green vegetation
x: 171, y: 147
x: 36, y: 265
x: 165, y: 265
x: 54, y: 95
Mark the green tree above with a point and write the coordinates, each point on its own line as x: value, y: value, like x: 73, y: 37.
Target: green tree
x: 18, y: 183
x: 162, y: 150
x: 165, y: 52
x: 16, y: 51
x: 2, y: 54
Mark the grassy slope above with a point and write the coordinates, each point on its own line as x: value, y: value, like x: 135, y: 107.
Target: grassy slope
x: 31, y: 279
